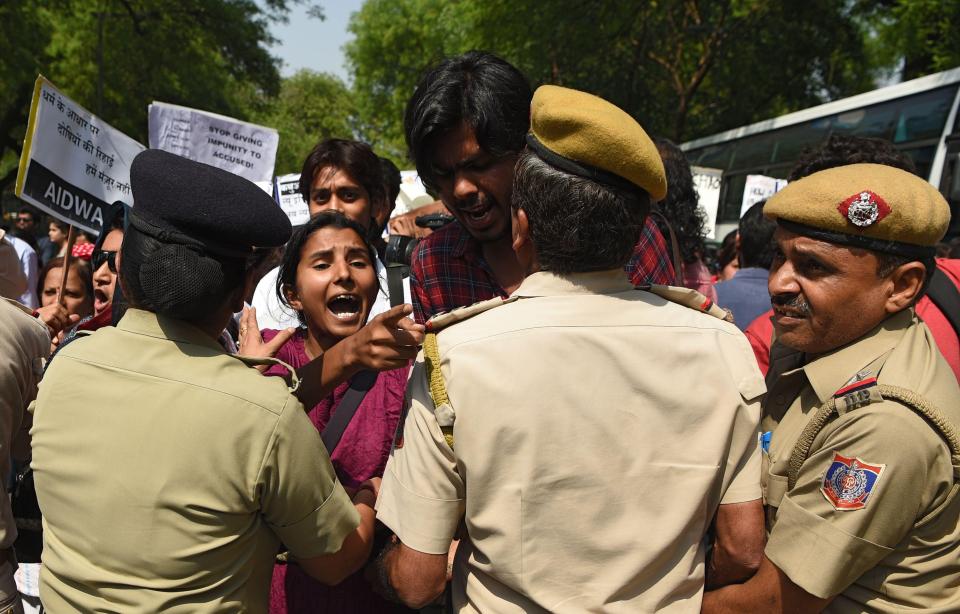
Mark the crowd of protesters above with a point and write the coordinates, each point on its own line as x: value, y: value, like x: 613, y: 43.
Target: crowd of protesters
x: 553, y: 406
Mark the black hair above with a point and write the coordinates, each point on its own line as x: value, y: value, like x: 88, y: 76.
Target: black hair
x: 31, y: 211
x: 352, y: 157
x: 391, y: 179
x: 842, y: 149
x: 728, y: 250
x: 681, y: 206
x: 175, y: 280
x: 83, y: 270
x: 287, y: 276
x: 477, y: 88
x: 63, y: 226
x: 577, y: 224
x: 757, y: 246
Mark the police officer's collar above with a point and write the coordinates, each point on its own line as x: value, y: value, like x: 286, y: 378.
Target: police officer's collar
x: 141, y: 322
x: 829, y: 372
x: 545, y: 283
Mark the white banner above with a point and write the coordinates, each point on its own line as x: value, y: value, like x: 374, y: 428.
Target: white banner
x: 73, y: 163
x: 707, y: 183
x: 757, y: 188
x: 287, y: 193
x: 244, y: 149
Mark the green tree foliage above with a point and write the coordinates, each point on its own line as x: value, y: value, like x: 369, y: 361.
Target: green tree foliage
x: 922, y: 34
x: 394, y: 41
x: 207, y: 54
x: 684, y: 68
x: 310, y: 107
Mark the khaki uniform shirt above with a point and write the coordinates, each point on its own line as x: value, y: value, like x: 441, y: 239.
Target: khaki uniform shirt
x: 24, y: 346
x: 851, y: 535
x: 168, y: 472
x: 597, y: 429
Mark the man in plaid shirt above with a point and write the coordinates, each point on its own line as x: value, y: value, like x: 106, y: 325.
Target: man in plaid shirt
x: 465, y: 126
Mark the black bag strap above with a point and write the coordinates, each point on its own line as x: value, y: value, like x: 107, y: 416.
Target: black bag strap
x: 946, y: 297
x: 346, y: 409
x: 395, y: 275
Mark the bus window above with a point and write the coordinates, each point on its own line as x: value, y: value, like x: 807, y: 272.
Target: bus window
x: 923, y: 116
x: 717, y: 156
x: 732, y: 198
x: 922, y: 158
x: 876, y: 121
x: 792, y: 141
x: 753, y: 151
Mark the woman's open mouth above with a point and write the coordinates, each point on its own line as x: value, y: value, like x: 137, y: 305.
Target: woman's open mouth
x: 345, y: 307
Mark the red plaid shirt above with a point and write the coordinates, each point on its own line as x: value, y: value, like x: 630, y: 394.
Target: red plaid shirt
x: 449, y: 269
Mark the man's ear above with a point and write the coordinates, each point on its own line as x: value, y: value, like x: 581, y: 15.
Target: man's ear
x: 906, y: 281
x: 520, y: 228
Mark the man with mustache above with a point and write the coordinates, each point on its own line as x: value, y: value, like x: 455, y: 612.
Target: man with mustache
x: 862, y: 441
x: 465, y: 127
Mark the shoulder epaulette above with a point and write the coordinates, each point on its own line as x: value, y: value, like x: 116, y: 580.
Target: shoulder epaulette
x: 250, y: 361
x: 443, y: 320
x: 689, y: 298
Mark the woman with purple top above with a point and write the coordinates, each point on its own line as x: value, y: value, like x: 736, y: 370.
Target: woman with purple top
x: 328, y: 277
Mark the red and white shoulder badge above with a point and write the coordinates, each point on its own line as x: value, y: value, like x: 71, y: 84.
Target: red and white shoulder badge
x: 848, y: 482
x: 688, y: 298
x: 443, y: 320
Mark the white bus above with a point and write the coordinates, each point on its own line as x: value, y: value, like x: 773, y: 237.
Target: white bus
x: 920, y: 117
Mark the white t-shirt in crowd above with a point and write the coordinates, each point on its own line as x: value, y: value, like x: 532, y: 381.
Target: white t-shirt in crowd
x: 272, y: 314
x: 30, y: 265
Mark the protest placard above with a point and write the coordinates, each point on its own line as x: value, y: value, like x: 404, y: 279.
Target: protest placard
x: 73, y: 163
x: 287, y: 193
x: 757, y: 188
x: 242, y: 148
x: 707, y: 183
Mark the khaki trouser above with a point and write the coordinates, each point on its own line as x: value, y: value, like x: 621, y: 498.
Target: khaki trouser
x: 9, y: 597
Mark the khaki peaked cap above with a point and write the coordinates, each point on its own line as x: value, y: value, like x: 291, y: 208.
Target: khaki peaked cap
x: 873, y: 206
x: 588, y: 136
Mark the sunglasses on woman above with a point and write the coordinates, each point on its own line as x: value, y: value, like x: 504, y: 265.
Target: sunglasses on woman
x: 110, y: 258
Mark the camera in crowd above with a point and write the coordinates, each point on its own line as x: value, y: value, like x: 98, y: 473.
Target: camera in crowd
x: 400, y: 247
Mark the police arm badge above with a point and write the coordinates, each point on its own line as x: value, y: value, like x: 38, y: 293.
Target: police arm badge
x: 848, y: 482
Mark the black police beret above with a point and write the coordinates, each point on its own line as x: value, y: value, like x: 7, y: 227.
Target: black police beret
x: 177, y: 200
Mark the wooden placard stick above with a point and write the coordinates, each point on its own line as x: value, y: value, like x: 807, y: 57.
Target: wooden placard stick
x: 67, y: 259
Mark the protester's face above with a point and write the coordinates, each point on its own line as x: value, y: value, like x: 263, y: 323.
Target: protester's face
x: 474, y: 184
x: 333, y: 189
x: 75, y: 296
x: 25, y: 222
x: 728, y: 271
x: 336, y: 284
x: 56, y: 235
x: 824, y: 295
x: 105, y: 278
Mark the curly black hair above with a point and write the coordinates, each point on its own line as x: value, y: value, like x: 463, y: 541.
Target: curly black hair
x: 843, y: 149
x: 681, y: 206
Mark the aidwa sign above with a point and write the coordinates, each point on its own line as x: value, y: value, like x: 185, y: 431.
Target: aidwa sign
x: 73, y: 163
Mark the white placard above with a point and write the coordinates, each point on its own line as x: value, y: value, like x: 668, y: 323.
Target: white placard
x: 242, y: 148
x: 287, y: 193
x: 413, y: 194
x: 73, y: 163
x: 757, y: 188
x: 707, y: 183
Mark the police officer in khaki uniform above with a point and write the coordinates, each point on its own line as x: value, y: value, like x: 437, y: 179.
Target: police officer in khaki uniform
x: 587, y: 433
x: 863, y: 462
x: 24, y: 346
x: 169, y: 472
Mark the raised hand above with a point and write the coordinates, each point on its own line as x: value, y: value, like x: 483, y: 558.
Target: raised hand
x: 251, y: 342
x: 389, y: 341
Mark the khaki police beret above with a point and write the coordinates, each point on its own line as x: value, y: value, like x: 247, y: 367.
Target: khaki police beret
x: 586, y: 135
x: 873, y: 206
